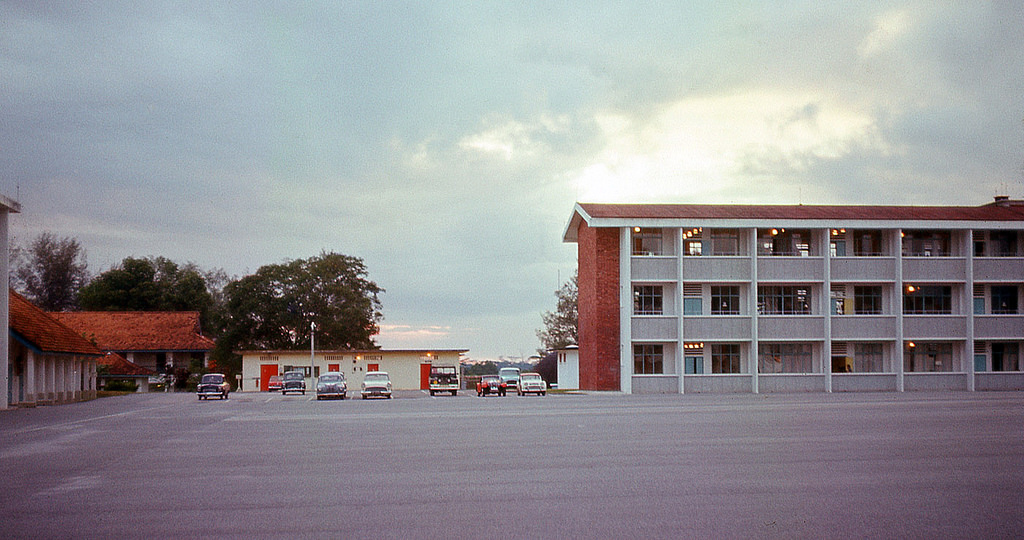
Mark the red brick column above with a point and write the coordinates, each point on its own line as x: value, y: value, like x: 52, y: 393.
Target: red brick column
x: 598, y: 291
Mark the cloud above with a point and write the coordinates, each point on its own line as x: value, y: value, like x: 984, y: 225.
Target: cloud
x: 445, y: 144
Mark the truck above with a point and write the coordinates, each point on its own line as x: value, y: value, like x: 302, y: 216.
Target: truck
x: 444, y: 379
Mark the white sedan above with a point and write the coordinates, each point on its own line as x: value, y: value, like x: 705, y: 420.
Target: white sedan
x: 532, y: 383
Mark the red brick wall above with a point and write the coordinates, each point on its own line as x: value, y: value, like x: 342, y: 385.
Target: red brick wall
x: 598, y: 307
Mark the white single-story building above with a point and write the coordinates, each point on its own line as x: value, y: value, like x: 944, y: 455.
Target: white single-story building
x: 568, y: 368
x: 409, y: 369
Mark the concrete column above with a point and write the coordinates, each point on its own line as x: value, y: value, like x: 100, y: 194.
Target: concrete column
x: 61, y: 370
x: 30, y: 378
x: 5, y: 309
x: 677, y: 239
x: 898, y: 308
x: 826, y: 304
x: 50, y: 379
x: 968, y: 303
x: 752, y: 306
x: 625, y: 311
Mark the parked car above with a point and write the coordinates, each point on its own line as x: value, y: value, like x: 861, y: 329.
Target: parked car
x: 509, y: 376
x: 490, y: 384
x: 275, y: 383
x: 213, y: 385
x: 294, y: 381
x: 331, y: 385
x: 444, y: 379
x: 376, y: 383
x: 532, y: 383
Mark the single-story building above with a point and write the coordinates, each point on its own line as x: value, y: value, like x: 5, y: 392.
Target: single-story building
x: 568, y: 368
x: 114, y: 367
x: 409, y: 369
x: 159, y: 341
x: 48, y: 362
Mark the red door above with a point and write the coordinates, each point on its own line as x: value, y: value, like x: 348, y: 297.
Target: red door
x: 424, y: 376
x: 266, y: 372
x: 372, y: 367
x: 332, y: 367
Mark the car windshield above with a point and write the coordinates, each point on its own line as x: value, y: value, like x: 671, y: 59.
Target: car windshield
x: 334, y: 377
x: 530, y: 377
x: 212, y: 379
x: 376, y: 377
x: 490, y: 378
x: 293, y: 376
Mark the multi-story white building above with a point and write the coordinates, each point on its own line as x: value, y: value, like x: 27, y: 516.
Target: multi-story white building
x: 730, y: 298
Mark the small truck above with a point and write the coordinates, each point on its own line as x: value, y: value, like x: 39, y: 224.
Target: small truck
x: 444, y: 379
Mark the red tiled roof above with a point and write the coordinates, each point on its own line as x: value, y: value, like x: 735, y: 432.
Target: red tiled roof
x: 44, y: 332
x: 989, y: 212
x: 139, y: 330
x: 117, y: 365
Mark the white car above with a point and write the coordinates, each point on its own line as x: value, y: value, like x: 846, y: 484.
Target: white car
x: 376, y: 383
x: 532, y: 383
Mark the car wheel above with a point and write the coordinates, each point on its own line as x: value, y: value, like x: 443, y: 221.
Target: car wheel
x: 455, y: 392
x: 431, y: 393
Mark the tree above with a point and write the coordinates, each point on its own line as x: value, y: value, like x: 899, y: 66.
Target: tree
x: 51, y: 271
x: 273, y: 308
x: 149, y: 284
x: 560, y: 327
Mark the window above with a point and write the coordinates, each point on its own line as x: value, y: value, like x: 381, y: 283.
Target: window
x: 647, y: 300
x: 867, y: 299
x: 928, y: 300
x: 725, y: 242
x: 867, y: 243
x: 1004, y: 299
x: 646, y: 241
x: 928, y: 357
x: 784, y: 358
x: 926, y: 243
x: 780, y: 242
x: 1005, y: 357
x: 647, y: 359
x: 1004, y: 243
x: 725, y: 358
x: 693, y: 306
x: 693, y: 248
x: 784, y: 300
x: 867, y: 358
x: 725, y: 300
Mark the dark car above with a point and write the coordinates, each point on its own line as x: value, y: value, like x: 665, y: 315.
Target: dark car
x: 213, y: 385
x: 331, y: 385
x: 294, y: 381
x: 490, y: 384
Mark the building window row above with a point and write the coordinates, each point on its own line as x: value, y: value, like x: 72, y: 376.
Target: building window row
x: 787, y: 242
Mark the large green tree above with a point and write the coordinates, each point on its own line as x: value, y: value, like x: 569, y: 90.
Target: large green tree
x: 50, y: 271
x: 150, y: 284
x: 560, y: 326
x: 273, y: 308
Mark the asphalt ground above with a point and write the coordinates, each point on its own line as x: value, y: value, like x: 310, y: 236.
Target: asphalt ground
x: 917, y: 465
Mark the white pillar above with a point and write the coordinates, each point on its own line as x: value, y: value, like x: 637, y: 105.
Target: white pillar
x: 752, y: 306
x: 625, y: 311
x: 5, y: 310
x: 30, y: 377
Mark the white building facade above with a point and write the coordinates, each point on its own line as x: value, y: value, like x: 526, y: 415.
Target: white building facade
x: 726, y: 298
x: 408, y: 369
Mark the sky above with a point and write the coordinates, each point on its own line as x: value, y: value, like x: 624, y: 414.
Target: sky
x: 445, y: 143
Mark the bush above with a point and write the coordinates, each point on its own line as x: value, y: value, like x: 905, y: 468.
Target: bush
x: 121, y: 385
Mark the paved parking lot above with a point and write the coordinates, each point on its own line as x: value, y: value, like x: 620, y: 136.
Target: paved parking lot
x: 596, y: 465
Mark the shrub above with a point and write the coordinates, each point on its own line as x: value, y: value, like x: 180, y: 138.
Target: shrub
x: 121, y: 385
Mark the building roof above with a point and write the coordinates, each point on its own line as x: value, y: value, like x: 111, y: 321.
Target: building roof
x: 617, y: 215
x: 139, y: 330
x: 43, y: 332
x: 117, y: 365
x: 352, y: 351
